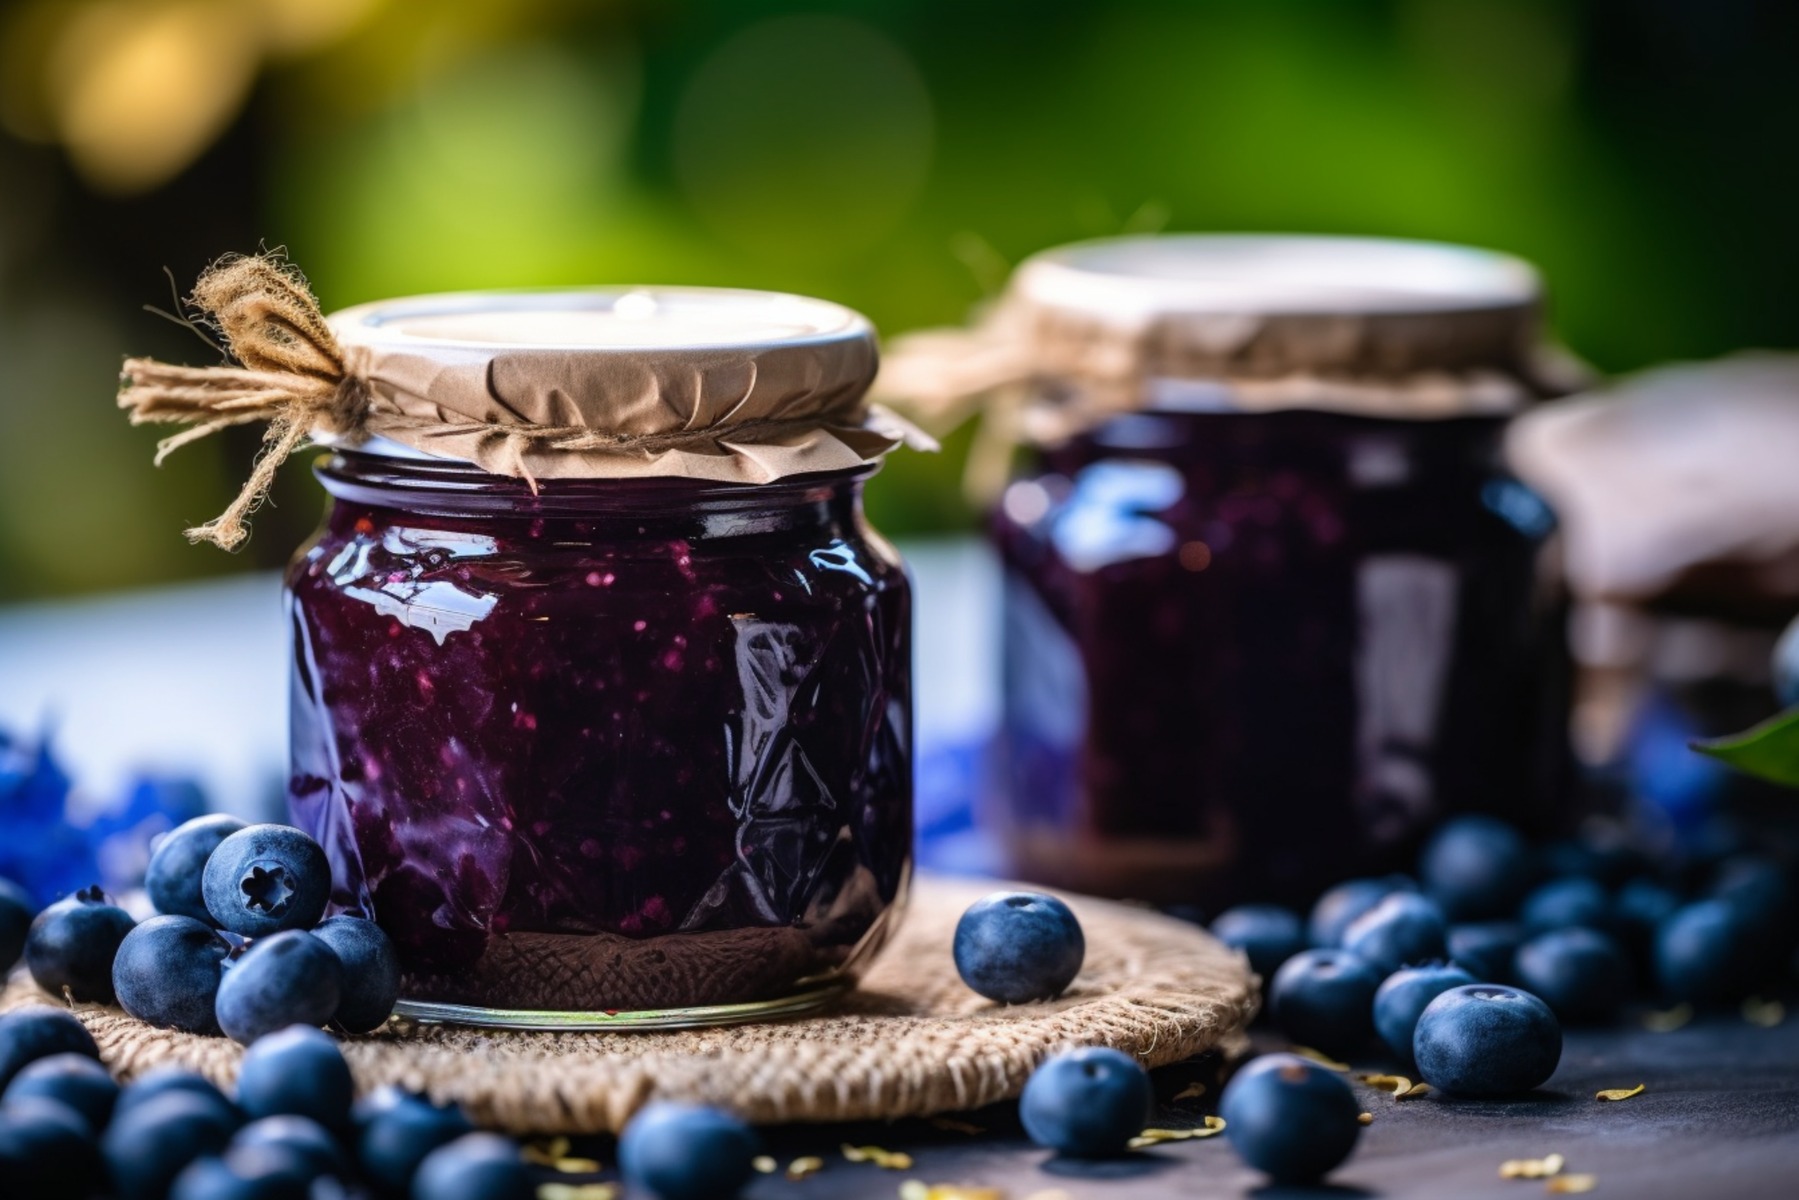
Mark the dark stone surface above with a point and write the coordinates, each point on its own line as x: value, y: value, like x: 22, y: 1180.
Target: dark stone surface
x: 1719, y: 1119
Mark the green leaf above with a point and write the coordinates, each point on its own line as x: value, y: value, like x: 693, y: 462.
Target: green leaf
x: 1770, y: 750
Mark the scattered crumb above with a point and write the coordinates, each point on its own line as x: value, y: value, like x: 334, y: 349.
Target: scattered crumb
x: 577, y: 1166
x: 1151, y: 1137
x: 1532, y: 1168
x: 1387, y: 1083
x: 887, y: 1160
x: 764, y: 1164
x: 1620, y: 1093
x: 1569, y: 1185
x: 1398, y: 1086
x: 577, y: 1191
x: 800, y: 1168
x: 1365, y: 1118
x: 1668, y: 1020
x: 547, y: 1151
x: 554, y: 1153
x: 1765, y: 1013
x: 915, y: 1189
x: 1192, y: 1091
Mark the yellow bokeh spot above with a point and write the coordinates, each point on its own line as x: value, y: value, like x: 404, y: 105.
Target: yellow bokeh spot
x: 138, y: 91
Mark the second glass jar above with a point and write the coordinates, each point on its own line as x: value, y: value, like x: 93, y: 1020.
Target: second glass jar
x: 1246, y: 654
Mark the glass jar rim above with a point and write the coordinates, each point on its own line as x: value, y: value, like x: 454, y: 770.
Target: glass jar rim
x: 455, y: 487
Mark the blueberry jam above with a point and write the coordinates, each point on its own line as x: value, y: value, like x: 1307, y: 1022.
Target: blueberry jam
x: 621, y: 745
x: 1293, y: 641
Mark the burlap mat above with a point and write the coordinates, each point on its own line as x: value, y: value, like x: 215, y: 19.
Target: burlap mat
x: 912, y: 1041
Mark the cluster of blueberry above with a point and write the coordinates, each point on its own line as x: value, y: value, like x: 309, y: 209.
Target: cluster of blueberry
x: 68, y: 1130
x: 1467, y: 973
x: 292, y: 1131
x: 1285, y: 1116
x: 1426, y: 967
x: 238, y: 946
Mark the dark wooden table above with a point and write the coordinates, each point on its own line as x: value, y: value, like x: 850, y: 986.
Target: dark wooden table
x: 1719, y: 1120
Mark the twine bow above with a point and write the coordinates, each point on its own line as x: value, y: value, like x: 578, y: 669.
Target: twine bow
x: 292, y: 375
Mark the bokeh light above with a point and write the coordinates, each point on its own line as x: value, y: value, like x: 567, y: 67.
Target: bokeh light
x: 899, y: 157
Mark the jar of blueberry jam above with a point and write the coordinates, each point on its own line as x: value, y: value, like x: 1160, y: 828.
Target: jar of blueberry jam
x: 1274, y: 605
x: 625, y: 740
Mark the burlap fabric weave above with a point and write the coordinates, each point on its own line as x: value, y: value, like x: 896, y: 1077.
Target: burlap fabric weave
x: 912, y: 1041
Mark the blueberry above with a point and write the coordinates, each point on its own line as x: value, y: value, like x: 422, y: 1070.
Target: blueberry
x: 16, y: 911
x: 39, y: 1031
x: 297, y: 1071
x: 1403, y: 995
x: 74, y: 1080
x: 686, y: 1151
x: 267, y: 878
x: 371, y: 972
x: 1293, y: 1120
x: 1786, y: 666
x: 1756, y: 886
x: 149, y: 1143
x: 160, y: 1081
x: 1401, y: 930
x: 1485, y: 1040
x: 1476, y: 867
x: 1760, y: 891
x: 1564, y: 903
x: 396, y: 1130
x: 71, y: 945
x: 1014, y: 947
x: 1640, y: 908
x: 1086, y: 1103
x: 1267, y: 933
x: 167, y: 973
x: 178, y: 864
x: 1704, y: 953
x: 476, y: 1166
x: 46, y: 1151
x: 301, y: 1137
x: 1486, y: 949
x: 1582, y: 974
x: 1341, y: 905
x: 245, y: 1173
x: 1325, y: 999
x: 291, y: 978
x: 1603, y: 852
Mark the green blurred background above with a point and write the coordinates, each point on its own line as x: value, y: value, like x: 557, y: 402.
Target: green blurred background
x: 895, y: 155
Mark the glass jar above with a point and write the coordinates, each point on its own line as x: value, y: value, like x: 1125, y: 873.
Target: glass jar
x: 1276, y: 614
x: 611, y: 750
x: 617, y: 746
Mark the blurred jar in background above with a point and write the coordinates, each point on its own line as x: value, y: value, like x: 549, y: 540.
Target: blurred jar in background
x: 1681, y: 508
x: 1273, y: 604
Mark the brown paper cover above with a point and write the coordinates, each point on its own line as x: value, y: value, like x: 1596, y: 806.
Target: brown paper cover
x: 713, y: 384
x: 1239, y: 323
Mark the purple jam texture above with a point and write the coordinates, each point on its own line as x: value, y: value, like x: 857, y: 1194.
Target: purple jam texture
x: 1249, y: 654
x: 627, y: 745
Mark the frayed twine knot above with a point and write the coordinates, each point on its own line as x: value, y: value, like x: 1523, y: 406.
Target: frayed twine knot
x: 292, y: 375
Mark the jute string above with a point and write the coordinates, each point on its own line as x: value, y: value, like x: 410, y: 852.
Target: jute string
x: 293, y: 374
x: 911, y: 1041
